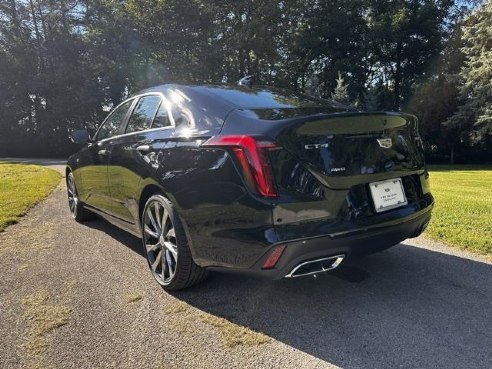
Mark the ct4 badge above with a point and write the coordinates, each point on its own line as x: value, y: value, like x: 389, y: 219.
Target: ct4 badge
x: 315, y: 146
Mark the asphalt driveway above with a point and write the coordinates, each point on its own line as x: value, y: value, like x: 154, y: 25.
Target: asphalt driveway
x: 80, y: 295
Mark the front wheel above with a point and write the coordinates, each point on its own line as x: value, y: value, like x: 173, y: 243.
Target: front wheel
x: 166, y: 246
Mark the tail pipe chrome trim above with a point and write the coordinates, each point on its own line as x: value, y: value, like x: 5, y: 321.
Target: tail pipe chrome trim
x: 316, y: 266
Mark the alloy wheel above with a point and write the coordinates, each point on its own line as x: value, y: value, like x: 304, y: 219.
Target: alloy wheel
x: 160, y: 242
x: 73, y: 199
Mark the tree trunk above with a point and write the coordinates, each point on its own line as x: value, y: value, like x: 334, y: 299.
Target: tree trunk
x: 15, y: 18
x: 396, y: 104
x: 451, y: 155
x: 38, y: 37
x: 41, y: 18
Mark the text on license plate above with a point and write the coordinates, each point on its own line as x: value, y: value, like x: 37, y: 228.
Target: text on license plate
x: 388, y: 194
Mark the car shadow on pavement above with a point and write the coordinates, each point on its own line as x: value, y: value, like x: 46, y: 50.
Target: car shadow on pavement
x: 130, y: 241
x: 404, y: 307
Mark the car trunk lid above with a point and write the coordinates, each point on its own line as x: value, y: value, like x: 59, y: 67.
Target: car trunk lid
x: 349, y: 148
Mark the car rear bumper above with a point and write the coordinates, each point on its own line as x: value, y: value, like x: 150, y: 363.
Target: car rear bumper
x: 350, y: 244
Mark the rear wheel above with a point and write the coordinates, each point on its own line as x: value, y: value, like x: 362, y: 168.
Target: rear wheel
x: 79, y: 213
x: 166, y: 246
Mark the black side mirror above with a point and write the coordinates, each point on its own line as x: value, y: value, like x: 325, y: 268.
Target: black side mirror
x: 80, y: 136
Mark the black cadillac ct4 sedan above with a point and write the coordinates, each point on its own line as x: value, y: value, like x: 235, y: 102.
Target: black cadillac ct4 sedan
x: 258, y: 180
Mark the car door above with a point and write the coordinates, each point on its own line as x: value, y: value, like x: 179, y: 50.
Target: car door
x: 132, y: 154
x: 94, y: 175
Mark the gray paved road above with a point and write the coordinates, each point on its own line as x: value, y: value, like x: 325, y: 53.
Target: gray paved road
x: 53, y: 163
x: 80, y: 295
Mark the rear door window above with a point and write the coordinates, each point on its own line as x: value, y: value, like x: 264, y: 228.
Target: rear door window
x: 112, y: 125
x: 143, y: 114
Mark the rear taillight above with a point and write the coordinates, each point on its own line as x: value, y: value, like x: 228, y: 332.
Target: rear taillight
x: 252, y: 155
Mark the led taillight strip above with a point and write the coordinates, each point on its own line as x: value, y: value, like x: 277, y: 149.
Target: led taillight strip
x: 251, y: 154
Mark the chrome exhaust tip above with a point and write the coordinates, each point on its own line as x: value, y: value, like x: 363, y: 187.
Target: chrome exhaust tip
x: 316, y: 266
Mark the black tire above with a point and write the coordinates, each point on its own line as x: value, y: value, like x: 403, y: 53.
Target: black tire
x: 77, y: 209
x: 163, y: 234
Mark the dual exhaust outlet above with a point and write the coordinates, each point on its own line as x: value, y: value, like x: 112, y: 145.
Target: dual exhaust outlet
x: 316, y: 266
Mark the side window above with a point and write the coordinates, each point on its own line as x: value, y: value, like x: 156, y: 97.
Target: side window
x: 161, y: 118
x: 143, y: 114
x: 113, y: 123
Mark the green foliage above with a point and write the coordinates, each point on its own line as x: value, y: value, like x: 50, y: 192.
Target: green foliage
x: 49, y: 81
x: 406, y: 37
x: 475, y: 89
x: 64, y: 63
x: 453, y: 103
x: 437, y: 98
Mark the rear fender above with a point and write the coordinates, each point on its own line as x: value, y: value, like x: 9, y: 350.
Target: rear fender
x: 147, y: 188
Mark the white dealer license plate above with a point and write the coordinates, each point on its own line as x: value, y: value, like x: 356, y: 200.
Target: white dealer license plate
x: 388, y: 194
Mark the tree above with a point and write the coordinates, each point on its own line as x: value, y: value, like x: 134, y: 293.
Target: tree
x: 405, y: 37
x: 63, y: 64
x: 436, y: 99
x: 51, y: 76
x: 340, y: 94
x: 319, y: 39
x: 475, y: 90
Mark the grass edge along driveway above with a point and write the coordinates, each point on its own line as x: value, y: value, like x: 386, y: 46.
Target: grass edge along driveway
x: 21, y: 187
x: 462, y: 215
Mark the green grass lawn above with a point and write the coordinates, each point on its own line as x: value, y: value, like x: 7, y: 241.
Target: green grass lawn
x: 462, y: 215
x: 21, y: 187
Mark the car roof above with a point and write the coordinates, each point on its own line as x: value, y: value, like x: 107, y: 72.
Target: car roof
x: 247, y: 98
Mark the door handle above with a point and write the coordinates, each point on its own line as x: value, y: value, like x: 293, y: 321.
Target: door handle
x: 103, y: 152
x: 144, y: 148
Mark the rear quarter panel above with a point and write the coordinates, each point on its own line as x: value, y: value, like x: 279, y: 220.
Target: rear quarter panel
x: 226, y: 226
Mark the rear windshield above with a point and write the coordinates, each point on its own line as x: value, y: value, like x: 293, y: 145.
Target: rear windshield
x: 257, y: 98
